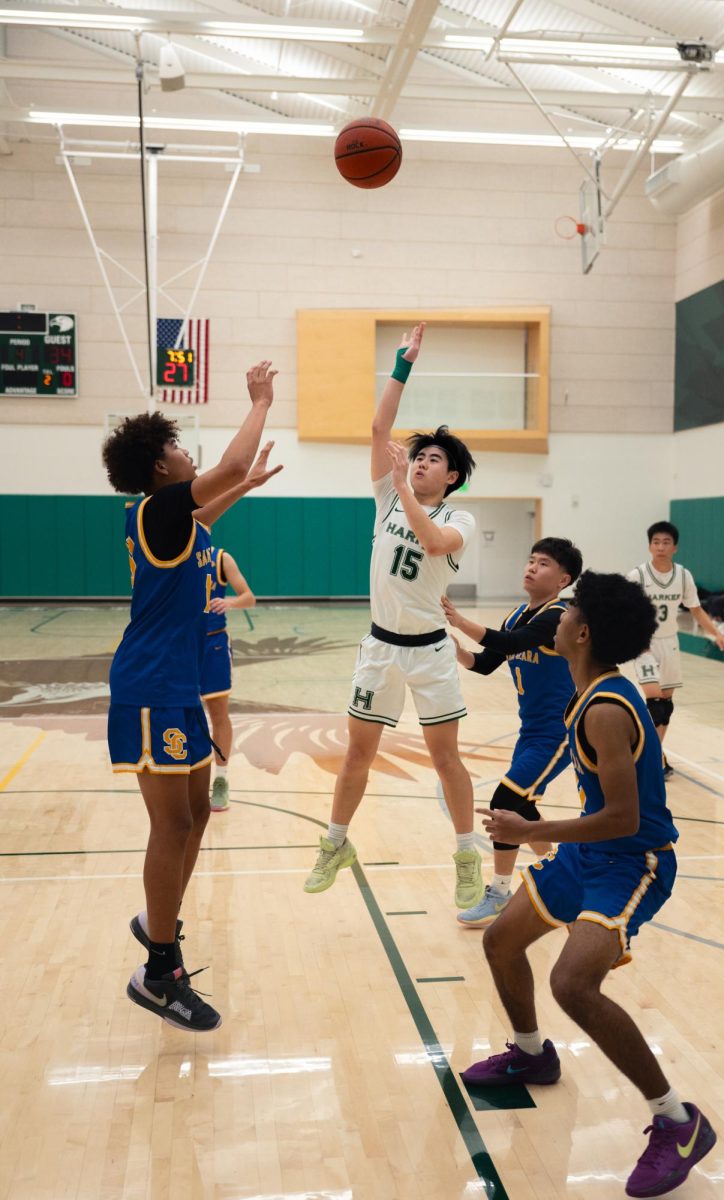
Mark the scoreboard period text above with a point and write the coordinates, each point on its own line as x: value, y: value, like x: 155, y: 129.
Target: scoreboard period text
x: 38, y: 354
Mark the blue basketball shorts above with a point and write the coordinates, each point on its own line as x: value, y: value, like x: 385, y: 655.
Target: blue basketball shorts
x: 164, y: 741
x: 535, y: 763
x: 621, y: 892
x: 216, y: 665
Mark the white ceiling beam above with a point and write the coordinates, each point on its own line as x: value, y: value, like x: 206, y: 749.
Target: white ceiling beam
x: 402, y: 58
x: 43, y: 70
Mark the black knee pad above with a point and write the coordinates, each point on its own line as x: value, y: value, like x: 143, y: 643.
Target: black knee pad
x: 660, y: 710
x: 505, y: 797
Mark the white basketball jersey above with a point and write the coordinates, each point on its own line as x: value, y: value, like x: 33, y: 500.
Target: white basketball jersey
x: 406, y: 583
x: 667, y: 592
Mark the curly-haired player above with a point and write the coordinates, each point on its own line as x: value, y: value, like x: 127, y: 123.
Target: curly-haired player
x: 613, y: 870
x: 156, y: 723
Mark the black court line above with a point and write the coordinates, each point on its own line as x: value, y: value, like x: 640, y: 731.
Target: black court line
x: 408, y: 912
x: 202, y: 850
x: 692, y: 937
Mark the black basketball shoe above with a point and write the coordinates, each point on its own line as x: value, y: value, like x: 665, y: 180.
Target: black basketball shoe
x: 174, y: 1000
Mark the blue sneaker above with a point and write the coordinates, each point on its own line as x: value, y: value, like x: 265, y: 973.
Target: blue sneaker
x: 486, y: 910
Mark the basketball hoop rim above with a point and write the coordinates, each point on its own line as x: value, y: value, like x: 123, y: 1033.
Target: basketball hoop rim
x: 577, y: 228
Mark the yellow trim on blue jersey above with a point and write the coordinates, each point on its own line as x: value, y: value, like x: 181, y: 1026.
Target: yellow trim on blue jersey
x: 619, y: 924
x: 130, y: 503
x: 157, y: 562
x: 577, y: 701
x: 220, y: 578
x: 624, y: 703
x: 214, y: 695
x: 537, y: 903
x: 147, y: 763
x: 515, y: 787
x: 206, y: 527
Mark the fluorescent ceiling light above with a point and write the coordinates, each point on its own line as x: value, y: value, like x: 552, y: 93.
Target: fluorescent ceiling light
x: 464, y: 41
x: 587, y: 50
x: 30, y: 16
x: 311, y: 129
x: 295, y: 33
x: 299, y: 129
x: 475, y: 137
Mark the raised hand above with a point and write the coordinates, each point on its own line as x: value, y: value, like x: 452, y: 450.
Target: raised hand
x: 259, y: 380
x: 260, y: 473
x: 411, y: 342
x: 400, y: 465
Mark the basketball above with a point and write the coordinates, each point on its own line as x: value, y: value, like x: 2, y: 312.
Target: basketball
x: 368, y: 153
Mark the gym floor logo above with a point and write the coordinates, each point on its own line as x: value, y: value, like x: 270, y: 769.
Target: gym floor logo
x: 72, y: 695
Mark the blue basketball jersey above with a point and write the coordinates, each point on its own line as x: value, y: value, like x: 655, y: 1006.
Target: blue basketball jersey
x: 656, y: 829
x: 543, y: 683
x: 159, y: 658
x: 217, y: 621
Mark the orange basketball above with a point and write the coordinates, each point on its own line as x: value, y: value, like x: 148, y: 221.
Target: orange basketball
x: 368, y: 153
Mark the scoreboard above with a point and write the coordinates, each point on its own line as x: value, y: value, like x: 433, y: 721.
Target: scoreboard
x: 38, y: 354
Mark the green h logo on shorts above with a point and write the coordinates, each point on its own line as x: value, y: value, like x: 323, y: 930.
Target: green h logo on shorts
x: 363, y: 698
x: 648, y: 670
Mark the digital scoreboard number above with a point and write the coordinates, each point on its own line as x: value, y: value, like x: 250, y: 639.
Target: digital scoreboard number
x: 175, y: 368
x: 38, y: 354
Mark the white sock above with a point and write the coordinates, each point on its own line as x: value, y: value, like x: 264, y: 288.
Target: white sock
x: 501, y: 883
x: 466, y: 841
x: 530, y: 1043
x: 221, y: 772
x: 669, y: 1105
x: 337, y: 833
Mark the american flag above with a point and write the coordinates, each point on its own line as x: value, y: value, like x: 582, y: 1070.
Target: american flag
x: 196, y: 338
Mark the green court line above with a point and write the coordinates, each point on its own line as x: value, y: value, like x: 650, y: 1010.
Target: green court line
x: 382, y: 864
x: 249, y: 621
x: 452, y: 1092
x: 440, y: 979
x: 408, y: 912
x: 47, y: 620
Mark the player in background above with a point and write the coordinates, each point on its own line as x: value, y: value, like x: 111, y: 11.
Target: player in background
x: 417, y: 547
x: 216, y: 664
x: 667, y: 584
x: 544, y: 686
x: 613, y: 870
x: 156, y: 723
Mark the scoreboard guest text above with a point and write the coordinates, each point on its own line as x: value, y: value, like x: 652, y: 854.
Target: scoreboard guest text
x: 38, y: 354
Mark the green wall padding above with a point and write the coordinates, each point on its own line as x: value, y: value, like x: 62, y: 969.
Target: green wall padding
x: 699, y: 371
x: 701, y: 539
x: 73, y: 546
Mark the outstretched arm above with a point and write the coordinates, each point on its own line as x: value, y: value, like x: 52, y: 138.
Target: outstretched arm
x: 386, y: 415
x: 257, y: 477
x: 609, y: 729
x: 239, y: 454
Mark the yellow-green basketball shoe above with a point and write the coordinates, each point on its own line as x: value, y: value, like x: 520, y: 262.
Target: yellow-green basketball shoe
x: 469, y: 881
x: 330, y: 860
x: 220, y: 795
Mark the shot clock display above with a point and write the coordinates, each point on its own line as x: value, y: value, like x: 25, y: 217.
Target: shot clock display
x: 175, y: 368
x: 37, y: 354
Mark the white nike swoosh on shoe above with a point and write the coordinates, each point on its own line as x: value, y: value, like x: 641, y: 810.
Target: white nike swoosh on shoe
x: 161, y: 1001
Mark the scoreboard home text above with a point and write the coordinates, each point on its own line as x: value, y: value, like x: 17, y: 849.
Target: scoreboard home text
x: 37, y: 354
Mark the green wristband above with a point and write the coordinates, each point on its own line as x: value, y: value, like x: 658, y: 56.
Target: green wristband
x: 403, y: 366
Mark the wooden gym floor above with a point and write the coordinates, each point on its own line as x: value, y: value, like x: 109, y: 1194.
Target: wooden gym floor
x: 347, y: 1015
